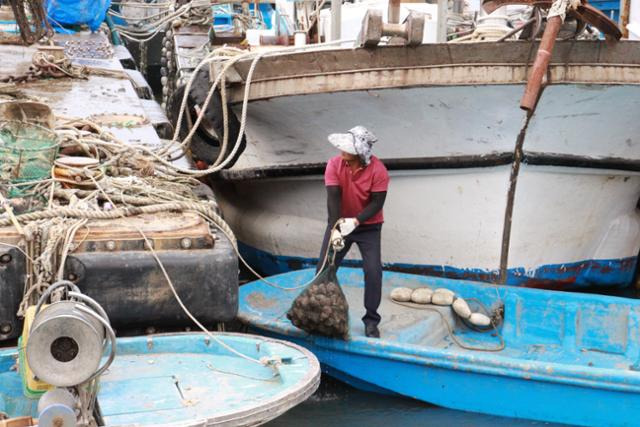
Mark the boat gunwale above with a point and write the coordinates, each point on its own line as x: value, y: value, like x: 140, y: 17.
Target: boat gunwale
x: 309, y: 84
x: 539, y: 371
x: 444, y: 54
x: 298, y: 73
x: 453, y: 65
x: 532, y: 158
x: 479, y: 362
x: 423, y: 163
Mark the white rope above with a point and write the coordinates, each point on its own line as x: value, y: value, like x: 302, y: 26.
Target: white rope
x: 149, y: 31
x: 218, y: 164
x: 560, y: 8
x: 54, y: 229
x: 489, y: 28
x: 18, y: 248
x: 149, y: 246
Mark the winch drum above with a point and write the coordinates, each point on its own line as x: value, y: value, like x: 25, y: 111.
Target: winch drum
x: 65, y: 344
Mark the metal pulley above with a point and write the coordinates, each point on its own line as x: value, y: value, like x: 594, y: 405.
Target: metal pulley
x: 67, y: 338
x: 56, y: 408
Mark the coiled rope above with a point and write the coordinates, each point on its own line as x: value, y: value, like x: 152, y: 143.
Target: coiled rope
x: 50, y: 232
x: 451, y: 332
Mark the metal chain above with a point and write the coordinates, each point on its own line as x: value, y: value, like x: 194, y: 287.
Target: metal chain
x: 144, y: 58
x: 45, y: 65
x: 38, y: 27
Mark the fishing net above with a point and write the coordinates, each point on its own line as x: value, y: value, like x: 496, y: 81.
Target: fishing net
x: 322, y: 307
x: 27, y: 151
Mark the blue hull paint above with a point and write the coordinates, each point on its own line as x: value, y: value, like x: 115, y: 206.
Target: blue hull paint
x: 587, y: 273
x: 569, y: 358
x: 216, y: 386
x: 353, y: 381
x: 468, y: 391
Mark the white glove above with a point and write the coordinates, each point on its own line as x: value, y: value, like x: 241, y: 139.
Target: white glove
x: 347, y: 225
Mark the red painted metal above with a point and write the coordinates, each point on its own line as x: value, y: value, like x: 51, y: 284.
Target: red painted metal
x: 583, y: 13
x: 541, y: 64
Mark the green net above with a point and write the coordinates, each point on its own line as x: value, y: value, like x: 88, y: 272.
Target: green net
x: 27, y: 152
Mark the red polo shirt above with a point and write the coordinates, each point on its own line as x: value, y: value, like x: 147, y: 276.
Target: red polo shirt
x: 357, y: 186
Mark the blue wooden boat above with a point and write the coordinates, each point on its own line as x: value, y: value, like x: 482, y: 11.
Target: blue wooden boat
x: 188, y: 380
x: 567, y: 357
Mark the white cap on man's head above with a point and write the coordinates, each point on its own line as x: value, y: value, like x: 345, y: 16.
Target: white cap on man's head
x: 358, y: 141
x: 343, y: 142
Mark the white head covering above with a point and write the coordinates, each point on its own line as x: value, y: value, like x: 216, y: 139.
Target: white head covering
x: 358, y: 141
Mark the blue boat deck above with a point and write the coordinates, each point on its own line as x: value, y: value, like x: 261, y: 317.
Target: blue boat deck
x: 188, y: 379
x: 591, y: 331
x: 555, y: 342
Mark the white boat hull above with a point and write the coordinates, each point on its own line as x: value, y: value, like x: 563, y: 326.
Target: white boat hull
x: 477, y: 189
x: 570, y: 229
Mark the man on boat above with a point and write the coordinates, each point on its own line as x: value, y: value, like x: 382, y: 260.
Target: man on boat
x: 357, y: 184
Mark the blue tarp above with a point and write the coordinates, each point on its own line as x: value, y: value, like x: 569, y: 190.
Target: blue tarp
x: 74, y: 12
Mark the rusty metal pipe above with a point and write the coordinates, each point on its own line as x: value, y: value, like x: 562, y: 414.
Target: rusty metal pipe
x: 541, y: 64
x: 625, y: 8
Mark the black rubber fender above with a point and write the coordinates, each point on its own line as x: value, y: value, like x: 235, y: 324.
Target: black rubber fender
x: 204, y: 146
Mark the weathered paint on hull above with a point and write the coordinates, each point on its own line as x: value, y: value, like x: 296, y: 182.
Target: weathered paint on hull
x: 571, y: 227
x: 478, y: 189
x: 507, y: 397
x: 567, y: 357
x: 613, y: 272
x: 593, y: 121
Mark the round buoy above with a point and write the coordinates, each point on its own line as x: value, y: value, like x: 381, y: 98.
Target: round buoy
x: 422, y: 296
x: 442, y: 296
x: 401, y: 294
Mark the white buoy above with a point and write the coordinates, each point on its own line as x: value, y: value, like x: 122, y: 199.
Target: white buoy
x: 480, y: 319
x: 461, y: 308
x: 442, y: 296
x: 401, y: 294
x: 421, y: 296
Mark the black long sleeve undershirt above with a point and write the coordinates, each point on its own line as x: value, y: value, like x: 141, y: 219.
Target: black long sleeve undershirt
x: 373, y: 207
x: 334, y: 196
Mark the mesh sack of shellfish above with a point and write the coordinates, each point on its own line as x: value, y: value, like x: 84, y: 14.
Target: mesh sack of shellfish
x: 322, y: 307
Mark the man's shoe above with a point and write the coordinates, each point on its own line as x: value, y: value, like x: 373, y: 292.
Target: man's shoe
x: 371, y: 331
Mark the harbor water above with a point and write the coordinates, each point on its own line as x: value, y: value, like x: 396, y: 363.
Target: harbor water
x: 337, y: 404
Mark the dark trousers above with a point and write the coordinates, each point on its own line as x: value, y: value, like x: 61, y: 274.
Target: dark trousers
x: 367, y: 237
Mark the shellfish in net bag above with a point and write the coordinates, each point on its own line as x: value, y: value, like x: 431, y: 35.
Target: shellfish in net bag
x: 322, y: 307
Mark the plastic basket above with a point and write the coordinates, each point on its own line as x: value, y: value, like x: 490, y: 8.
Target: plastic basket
x: 27, y: 151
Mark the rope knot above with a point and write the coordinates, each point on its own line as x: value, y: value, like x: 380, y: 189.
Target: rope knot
x: 560, y: 7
